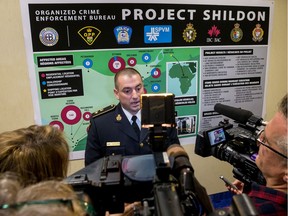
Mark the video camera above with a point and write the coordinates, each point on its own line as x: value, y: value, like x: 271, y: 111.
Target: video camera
x: 235, y: 145
x: 109, y: 185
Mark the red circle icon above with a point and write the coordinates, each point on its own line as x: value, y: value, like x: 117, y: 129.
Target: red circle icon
x: 71, y: 114
x: 57, y: 124
x: 116, y: 64
x: 132, y: 61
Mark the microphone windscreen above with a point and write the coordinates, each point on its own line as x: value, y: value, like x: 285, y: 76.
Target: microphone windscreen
x: 176, y: 150
x: 237, y: 114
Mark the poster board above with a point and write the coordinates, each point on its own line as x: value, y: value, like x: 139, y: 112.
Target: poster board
x: 204, y: 53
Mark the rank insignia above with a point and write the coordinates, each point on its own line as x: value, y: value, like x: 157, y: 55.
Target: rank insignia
x: 89, y: 34
x: 236, y: 33
x: 189, y: 34
x: 257, y: 33
x: 118, y: 117
x: 123, y: 34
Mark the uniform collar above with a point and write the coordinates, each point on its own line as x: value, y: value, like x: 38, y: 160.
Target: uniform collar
x: 129, y: 115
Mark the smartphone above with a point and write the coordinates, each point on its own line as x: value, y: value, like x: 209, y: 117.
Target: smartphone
x: 228, y: 182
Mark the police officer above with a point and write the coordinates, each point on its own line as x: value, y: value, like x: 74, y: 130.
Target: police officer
x: 111, y: 130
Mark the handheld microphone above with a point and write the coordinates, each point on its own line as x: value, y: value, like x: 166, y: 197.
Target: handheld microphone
x: 240, y: 115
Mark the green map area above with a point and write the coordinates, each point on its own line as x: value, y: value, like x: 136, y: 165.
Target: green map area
x: 185, y: 74
x: 70, y: 93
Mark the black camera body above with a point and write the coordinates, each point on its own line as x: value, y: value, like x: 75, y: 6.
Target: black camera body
x: 109, y: 186
x: 106, y: 185
x: 235, y: 145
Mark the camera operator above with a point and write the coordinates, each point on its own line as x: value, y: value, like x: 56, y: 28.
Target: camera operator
x: 272, y: 161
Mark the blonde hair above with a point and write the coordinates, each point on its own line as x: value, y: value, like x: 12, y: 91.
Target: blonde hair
x: 36, y: 153
x: 49, y: 190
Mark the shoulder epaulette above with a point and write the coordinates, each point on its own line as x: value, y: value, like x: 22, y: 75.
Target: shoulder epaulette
x: 104, y: 110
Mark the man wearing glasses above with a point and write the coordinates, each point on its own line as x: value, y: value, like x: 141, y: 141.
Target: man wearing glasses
x: 272, y: 161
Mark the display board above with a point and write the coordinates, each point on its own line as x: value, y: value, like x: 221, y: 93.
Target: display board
x: 204, y: 53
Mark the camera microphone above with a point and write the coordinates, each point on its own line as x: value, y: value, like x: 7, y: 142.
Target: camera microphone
x: 189, y: 185
x: 179, y: 157
x: 239, y: 115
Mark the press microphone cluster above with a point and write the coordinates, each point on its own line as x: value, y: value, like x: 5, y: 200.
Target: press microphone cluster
x: 239, y: 115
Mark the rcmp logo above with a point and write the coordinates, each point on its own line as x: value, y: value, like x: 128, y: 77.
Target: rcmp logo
x: 49, y: 36
x: 189, y: 34
x: 236, y: 33
x: 123, y: 34
x: 89, y: 34
x: 257, y: 33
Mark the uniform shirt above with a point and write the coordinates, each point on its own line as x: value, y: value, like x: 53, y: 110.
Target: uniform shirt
x: 111, y: 133
x: 129, y: 116
x: 268, y: 201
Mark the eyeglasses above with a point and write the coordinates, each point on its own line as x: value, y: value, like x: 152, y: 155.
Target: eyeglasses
x: 267, y: 146
x: 66, y: 202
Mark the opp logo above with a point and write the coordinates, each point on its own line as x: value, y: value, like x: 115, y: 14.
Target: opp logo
x: 89, y: 34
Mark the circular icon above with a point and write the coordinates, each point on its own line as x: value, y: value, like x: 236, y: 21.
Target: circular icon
x: 87, y: 116
x: 146, y: 57
x: 155, y: 73
x: 132, y: 61
x: 44, y: 83
x: 116, y: 64
x: 57, y: 124
x: 71, y: 114
x: 155, y: 87
x: 87, y: 63
x: 49, y: 36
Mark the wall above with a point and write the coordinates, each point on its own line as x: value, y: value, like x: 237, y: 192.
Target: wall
x: 16, y: 106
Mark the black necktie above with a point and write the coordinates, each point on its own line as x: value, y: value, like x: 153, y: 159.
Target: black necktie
x: 135, y: 126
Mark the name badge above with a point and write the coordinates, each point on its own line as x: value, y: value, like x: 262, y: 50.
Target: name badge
x: 112, y: 144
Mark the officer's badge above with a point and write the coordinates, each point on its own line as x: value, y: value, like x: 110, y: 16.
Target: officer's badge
x: 257, y: 33
x: 118, y: 117
x: 236, y: 33
x: 189, y: 34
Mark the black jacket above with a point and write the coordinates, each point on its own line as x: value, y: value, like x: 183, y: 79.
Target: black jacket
x: 110, y: 132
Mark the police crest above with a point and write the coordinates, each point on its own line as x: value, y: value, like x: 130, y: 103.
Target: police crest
x: 236, y: 33
x: 257, y: 33
x: 89, y: 34
x: 189, y: 34
x: 123, y: 34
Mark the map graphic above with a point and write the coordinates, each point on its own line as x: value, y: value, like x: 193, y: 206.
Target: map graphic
x: 73, y: 85
x: 182, y: 78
